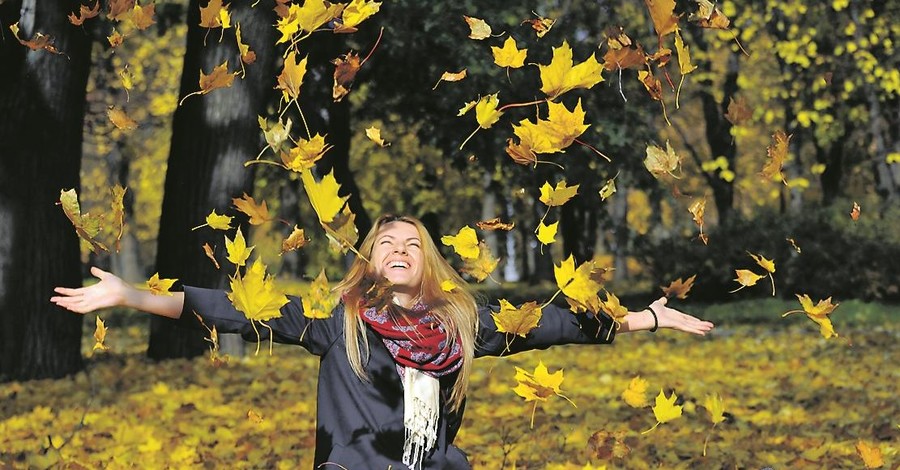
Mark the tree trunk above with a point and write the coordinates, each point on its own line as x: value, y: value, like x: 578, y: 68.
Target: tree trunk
x: 42, y: 98
x: 718, y: 135
x: 212, y: 136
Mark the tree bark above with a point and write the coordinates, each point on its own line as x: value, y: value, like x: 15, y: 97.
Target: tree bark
x: 42, y: 98
x: 213, y: 135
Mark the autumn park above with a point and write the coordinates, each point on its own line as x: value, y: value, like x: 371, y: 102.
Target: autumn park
x: 740, y: 159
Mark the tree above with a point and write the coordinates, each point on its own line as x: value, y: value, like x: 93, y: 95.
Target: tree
x: 213, y: 135
x: 42, y: 97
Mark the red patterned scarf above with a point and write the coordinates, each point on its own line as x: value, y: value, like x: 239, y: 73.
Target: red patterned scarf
x: 420, y: 343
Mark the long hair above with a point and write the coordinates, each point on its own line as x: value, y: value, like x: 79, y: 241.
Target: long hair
x: 455, y: 310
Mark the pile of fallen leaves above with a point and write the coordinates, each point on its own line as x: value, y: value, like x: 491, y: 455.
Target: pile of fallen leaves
x: 748, y: 396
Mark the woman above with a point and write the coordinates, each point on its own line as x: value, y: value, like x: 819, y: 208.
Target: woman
x: 393, y: 374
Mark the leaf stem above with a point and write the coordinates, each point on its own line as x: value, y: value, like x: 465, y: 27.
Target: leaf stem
x: 377, y: 41
x: 303, y: 118
x: 595, y: 150
x: 469, y: 137
x: 654, y: 427
x: 519, y: 105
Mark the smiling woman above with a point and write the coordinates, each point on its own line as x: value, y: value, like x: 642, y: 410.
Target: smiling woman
x: 397, y: 352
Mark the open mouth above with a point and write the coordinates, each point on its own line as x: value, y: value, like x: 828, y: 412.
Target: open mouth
x: 398, y: 265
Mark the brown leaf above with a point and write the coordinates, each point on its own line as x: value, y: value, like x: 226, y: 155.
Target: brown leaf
x: 258, y: 212
x: 854, y: 213
x: 120, y: 119
x: 142, y: 17
x: 679, y: 288
x: 119, y: 9
x: 606, y: 445
x: 520, y: 153
x: 84, y: 13
x: 738, y: 111
x: 38, y: 42
x: 663, y: 14
x: 540, y: 25
x: 777, y: 154
x: 296, y: 240
x: 345, y: 71
x: 495, y: 224
x: 210, y: 254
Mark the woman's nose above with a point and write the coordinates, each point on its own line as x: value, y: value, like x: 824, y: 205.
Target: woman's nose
x: 400, y: 249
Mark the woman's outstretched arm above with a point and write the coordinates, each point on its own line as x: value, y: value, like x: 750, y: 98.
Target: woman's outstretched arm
x: 665, y: 318
x: 112, y: 291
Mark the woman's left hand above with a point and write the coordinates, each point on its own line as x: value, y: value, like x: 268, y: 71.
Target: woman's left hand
x: 670, y: 318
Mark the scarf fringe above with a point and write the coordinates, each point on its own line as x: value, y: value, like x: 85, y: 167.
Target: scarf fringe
x: 420, y: 415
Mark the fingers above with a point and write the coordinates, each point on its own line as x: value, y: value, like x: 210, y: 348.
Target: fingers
x: 98, y: 273
x: 67, y: 291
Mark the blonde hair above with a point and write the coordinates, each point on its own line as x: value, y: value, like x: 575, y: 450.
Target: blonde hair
x: 455, y: 310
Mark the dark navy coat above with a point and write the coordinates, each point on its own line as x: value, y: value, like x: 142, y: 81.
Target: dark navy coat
x: 360, y: 424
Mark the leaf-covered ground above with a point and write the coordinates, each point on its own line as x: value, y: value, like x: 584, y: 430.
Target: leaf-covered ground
x: 792, y: 400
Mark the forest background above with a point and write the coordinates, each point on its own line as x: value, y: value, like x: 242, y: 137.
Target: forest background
x: 785, y: 138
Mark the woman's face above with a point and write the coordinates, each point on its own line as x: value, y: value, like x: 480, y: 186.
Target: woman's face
x: 397, y: 255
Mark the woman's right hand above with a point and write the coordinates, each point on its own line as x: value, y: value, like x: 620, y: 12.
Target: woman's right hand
x: 111, y: 291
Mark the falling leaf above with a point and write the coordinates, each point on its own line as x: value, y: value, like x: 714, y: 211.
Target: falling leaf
x: 117, y: 206
x: 665, y: 409
x: 486, y: 111
x: 708, y: 16
x: 546, y: 234
x: 559, y: 195
x: 870, y: 454
x: 220, y: 77
x: 464, y: 243
x: 561, y: 75
x: 579, y: 285
x: 247, y: 56
x: 291, y: 77
x: 746, y: 278
x: 663, y: 14
x: 341, y: 231
x: 296, y: 240
x: 84, y: 13
x: 127, y: 80
x: 315, y: 13
x: 651, y: 84
x: 237, y: 249
x: 794, y: 245
x: 509, y: 55
x: 817, y: 313
x: 605, y: 445
x: 142, y: 17
x: 40, y: 41
x: 684, y: 55
x: 554, y: 134
x: 517, y: 321
x: 100, y: 336
x: 450, y: 77
x: 854, y: 213
x: 448, y: 286
x: 697, y: 209
x: 160, y: 286
x: 323, y: 195
x: 319, y: 300
x: 539, y: 385
x: 217, y: 222
x: 623, y: 53
x: 303, y: 157
x: 495, y: 224
x: 636, y: 393
x: 738, y: 111
x: 478, y: 28
x: 468, y: 106
x: 767, y: 264
x: 212, y: 14
x: 120, y: 119
x: 679, y: 288
x: 659, y: 162
x: 520, y: 153
x: 608, y: 189
x: 374, y: 134
x: 258, y: 213
x: 119, y: 9
x: 715, y: 407
x: 540, y: 25
x: 209, y: 254
x: 86, y: 226
x: 345, y: 69
x: 255, y: 294
x: 355, y: 13
x: 777, y: 154
x: 115, y: 39
x: 276, y: 134
x: 482, y: 267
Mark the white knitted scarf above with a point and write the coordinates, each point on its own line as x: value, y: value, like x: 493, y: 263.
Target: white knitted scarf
x: 421, y: 393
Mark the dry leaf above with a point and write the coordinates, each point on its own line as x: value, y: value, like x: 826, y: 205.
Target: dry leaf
x: 296, y: 240
x: 517, y: 321
x: 84, y: 13
x: 854, y: 213
x: 540, y: 25
x: 160, y: 286
x: 374, y: 134
x: 478, y: 28
x: 450, y: 77
x: 100, y: 336
x: 777, y: 154
x: 258, y: 213
x: 679, y: 288
x: 120, y: 119
x: 210, y: 254
x: 464, y: 243
x: 495, y: 224
x: 509, y: 55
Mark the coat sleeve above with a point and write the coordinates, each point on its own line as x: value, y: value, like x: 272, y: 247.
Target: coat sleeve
x: 213, y: 306
x: 557, y: 326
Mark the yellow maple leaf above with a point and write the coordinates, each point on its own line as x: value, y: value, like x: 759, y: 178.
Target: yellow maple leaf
x: 211, y: 14
x: 451, y: 77
x: 697, y: 210
x: 665, y: 409
x: 218, y: 222
x: 608, y: 189
x: 296, y: 240
x: 258, y: 213
x: 291, y: 77
x: 539, y: 385
x: 614, y: 308
x: 323, y: 195
x: 509, y: 55
x: 559, y: 195
x: 255, y: 294
x: 561, y: 75
x: 118, y: 211
x: 663, y: 14
x: 636, y: 393
x: 818, y: 313
x: 220, y: 77
x: 659, y: 162
x: 115, y: 39
x: 486, y: 111
x: 554, y: 134
x: 374, y: 134
x: 870, y: 454
x: 478, y: 28
x: 777, y: 154
x: 160, y: 286
x: 482, y: 267
x: 448, y: 286
x: 86, y: 226
x: 518, y: 321
x: 746, y: 278
x: 247, y: 56
x: 546, y: 234
x: 314, y: 13
x: 142, y: 17
x: 716, y: 408
x: 303, y: 157
x: 341, y: 231
x: 768, y: 265
x: 100, y: 336
x: 118, y: 9
x: 355, y: 13
x: 684, y: 55
x: 319, y: 300
x: 579, y: 285
x: 237, y: 249
x: 464, y: 243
